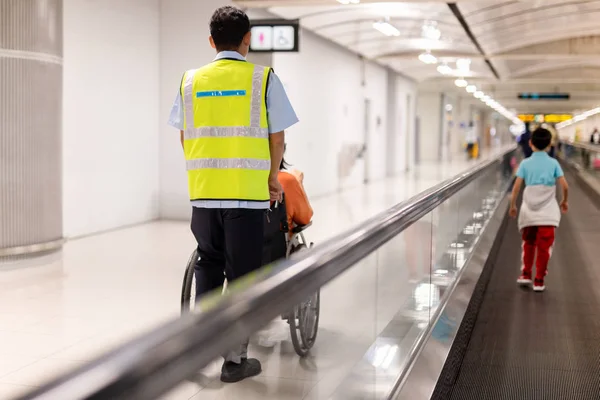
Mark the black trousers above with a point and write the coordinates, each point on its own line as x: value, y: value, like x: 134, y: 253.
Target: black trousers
x: 230, y: 242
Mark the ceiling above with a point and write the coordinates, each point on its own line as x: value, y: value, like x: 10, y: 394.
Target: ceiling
x: 514, y: 46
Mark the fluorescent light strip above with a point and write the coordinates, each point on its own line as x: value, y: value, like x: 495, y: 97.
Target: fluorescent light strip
x: 578, y: 118
x: 461, y: 82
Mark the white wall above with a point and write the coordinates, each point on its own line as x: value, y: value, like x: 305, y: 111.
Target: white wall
x: 329, y: 99
x: 375, y: 89
x: 110, y: 108
x: 429, y: 112
x: 402, y: 95
x: 325, y: 85
x: 580, y: 131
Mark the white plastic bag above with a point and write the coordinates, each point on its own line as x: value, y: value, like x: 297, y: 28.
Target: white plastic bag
x: 277, y: 331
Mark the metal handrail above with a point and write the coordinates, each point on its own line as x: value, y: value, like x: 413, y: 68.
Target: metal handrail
x: 585, y: 146
x: 156, y: 362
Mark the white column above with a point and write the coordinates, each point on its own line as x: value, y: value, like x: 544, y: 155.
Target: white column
x: 30, y: 126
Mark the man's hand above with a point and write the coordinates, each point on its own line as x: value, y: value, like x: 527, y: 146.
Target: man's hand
x: 275, y: 189
x: 564, y: 207
x: 513, y: 212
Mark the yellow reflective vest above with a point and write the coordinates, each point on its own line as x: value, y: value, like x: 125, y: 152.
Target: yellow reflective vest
x: 226, y: 137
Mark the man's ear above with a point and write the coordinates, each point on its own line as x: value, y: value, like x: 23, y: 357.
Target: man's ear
x: 247, y: 38
x: 212, y: 42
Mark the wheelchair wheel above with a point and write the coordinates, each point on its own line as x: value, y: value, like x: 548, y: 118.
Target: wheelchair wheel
x: 188, y: 289
x: 304, y: 324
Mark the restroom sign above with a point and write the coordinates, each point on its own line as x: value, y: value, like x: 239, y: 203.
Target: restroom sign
x: 262, y: 38
x: 274, y: 35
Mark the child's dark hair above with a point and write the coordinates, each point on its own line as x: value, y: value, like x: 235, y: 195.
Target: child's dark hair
x: 283, y: 164
x: 228, y: 26
x: 541, y: 138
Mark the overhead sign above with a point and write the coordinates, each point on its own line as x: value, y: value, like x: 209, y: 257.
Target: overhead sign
x: 548, y: 118
x: 274, y: 35
x: 544, y: 96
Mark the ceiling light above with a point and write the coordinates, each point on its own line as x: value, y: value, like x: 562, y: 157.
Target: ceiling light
x: 431, y: 31
x: 461, y: 82
x: 478, y: 94
x: 346, y: 2
x: 471, y: 89
x: 427, y: 58
x: 444, y: 69
x: 463, y: 65
x: 386, y: 28
x: 485, y: 98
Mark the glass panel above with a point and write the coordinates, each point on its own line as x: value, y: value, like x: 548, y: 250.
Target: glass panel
x: 372, y: 316
x: 586, y: 159
x: 347, y: 328
x: 402, y: 314
x: 444, y: 267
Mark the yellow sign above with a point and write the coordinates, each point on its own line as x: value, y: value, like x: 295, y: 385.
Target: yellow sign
x: 527, y: 117
x: 549, y: 118
x: 556, y: 118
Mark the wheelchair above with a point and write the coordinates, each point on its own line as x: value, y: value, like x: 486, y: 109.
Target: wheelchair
x: 280, y: 241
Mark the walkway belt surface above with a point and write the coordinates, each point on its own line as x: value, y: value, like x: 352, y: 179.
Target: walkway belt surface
x: 529, y: 345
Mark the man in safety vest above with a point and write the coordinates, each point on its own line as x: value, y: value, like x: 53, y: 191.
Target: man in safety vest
x: 231, y: 115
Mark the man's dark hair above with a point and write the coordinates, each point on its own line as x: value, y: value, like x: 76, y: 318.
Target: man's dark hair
x: 228, y: 26
x: 541, y: 138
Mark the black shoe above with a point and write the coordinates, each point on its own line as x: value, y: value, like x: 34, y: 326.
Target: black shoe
x: 232, y: 372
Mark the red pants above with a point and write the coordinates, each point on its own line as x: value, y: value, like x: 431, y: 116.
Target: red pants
x: 540, y: 238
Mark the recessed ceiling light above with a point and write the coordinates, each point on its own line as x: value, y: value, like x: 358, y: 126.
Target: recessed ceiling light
x: 478, y: 94
x: 427, y: 58
x: 461, y: 83
x: 444, y: 69
x: 386, y: 28
x: 471, y: 89
x: 463, y: 65
x: 346, y: 2
x: 430, y: 31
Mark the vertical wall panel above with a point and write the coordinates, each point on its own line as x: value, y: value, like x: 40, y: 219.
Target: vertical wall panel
x: 30, y: 125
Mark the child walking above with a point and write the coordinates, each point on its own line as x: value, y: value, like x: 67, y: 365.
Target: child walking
x: 540, y: 212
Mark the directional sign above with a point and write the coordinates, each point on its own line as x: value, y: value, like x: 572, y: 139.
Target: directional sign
x: 274, y: 35
x: 543, y: 96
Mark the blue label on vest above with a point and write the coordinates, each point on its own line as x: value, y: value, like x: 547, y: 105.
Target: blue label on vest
x: 221, y: 93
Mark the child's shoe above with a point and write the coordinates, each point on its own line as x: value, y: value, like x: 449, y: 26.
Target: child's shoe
x: 538, y: 285
x: 524, y: 280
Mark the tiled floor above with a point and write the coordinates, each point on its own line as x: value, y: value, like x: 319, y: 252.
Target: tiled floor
x: 60, y: 311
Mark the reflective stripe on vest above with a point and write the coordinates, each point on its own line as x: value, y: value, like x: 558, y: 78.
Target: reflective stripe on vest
x: 226, y: 131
